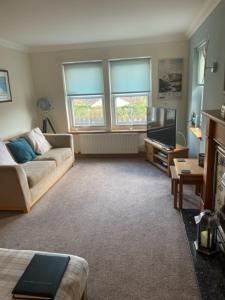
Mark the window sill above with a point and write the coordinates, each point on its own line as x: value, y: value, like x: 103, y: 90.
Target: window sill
x: 107, y: 131
x: 197, y: 132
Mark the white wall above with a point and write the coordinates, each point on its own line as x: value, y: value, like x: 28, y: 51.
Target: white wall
x: 48, y: 80
x: 19, y: 115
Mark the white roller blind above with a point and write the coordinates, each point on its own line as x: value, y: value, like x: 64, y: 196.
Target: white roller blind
x: 85, y: 78
x: 130, y: 75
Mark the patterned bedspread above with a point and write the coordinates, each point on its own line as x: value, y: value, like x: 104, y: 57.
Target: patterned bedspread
x: 14, y: 262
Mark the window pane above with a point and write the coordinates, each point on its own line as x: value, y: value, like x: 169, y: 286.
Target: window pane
x: 87, y: 111
x: 130, y: 109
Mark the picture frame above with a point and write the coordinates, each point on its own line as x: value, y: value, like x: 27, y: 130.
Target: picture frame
x: 224, y: 82
x: 5, y: 91
x: 170, y: 77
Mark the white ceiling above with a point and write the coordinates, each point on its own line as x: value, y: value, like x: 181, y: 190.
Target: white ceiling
x: 36, y: 23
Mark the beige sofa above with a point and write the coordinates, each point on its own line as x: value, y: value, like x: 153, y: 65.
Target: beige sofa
x: 22, y: 185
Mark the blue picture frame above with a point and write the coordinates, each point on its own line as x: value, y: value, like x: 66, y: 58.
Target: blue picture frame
x: 5, y: 91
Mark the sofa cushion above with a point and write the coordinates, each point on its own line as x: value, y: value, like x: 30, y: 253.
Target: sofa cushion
x: 37, y: 170
x: 56, y: 154
x: 38, y: 141
x: 21, y: 150
x: 5, y: 156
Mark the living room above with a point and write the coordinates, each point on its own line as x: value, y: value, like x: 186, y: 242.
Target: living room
x: 111, y: 210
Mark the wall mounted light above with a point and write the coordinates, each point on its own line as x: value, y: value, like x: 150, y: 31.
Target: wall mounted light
x: 213, y: 68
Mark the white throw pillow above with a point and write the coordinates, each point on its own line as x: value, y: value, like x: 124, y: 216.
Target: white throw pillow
x: 38, y: 141
x: 5, y: 156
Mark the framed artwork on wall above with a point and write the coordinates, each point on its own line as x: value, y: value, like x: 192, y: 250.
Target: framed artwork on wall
x: 170, y: 77
x: 224, y: 82
x: 5, y: 92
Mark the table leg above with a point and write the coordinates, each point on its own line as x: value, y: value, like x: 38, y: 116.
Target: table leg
x: 175, y: 194
x: 198, y: 189
x: 172, y: 186
x: 181, y: 194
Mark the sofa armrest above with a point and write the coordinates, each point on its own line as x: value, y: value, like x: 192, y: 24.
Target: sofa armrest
x: 14, y: 190
x: 60, y: 140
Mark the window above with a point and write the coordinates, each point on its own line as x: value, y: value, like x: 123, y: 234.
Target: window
x: 130, y: 91
x: 201, y: 56
x: 85, y: 94
x: 201, y: 65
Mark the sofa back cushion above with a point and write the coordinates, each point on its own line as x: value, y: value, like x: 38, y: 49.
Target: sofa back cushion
x: 5, y: 156
x: 21, y: 150
x: 38, y: 141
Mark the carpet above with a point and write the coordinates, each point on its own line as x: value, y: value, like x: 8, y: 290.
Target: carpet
x: 118, y: 214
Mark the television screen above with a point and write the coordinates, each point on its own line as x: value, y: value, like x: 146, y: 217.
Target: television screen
x: 161, y: 126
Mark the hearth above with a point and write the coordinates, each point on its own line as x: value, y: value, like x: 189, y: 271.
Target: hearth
x: 210, y: 270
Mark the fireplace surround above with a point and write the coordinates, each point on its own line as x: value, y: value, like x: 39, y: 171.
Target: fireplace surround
x: 214, y: 160
x: 214, y: 169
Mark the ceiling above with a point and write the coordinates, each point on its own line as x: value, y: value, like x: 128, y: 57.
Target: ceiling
x: 37, y: 23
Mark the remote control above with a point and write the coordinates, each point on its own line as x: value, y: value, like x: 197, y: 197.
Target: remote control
x: 185, y: 171
x: 180, y: 160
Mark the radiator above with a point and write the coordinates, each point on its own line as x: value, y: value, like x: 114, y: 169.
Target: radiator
x: 110, y: 143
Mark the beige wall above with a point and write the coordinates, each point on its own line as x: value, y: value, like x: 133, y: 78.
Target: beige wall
x: 48, y: 80
x: 19, y: 115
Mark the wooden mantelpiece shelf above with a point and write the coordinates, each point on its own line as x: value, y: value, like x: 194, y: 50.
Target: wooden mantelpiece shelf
x: 161, y: 157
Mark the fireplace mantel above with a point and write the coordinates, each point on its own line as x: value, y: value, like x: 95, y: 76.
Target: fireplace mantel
x: 215, y: 135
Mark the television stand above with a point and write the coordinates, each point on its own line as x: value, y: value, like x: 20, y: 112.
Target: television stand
x: 161, y: 157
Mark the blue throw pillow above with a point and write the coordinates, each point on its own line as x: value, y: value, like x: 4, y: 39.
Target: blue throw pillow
x: 21, y: 150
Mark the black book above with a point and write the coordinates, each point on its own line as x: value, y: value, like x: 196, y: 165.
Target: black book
x: 42, y: 277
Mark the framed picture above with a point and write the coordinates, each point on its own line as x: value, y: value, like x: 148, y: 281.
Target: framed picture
x: 224, y: 82
x: 5, y: 92
x: 170, y: 77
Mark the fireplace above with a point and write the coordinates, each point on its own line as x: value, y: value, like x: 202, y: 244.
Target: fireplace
x: 219, y: 184
x: 213, y: 193
x: 214, y: 169
x: 219, y: 192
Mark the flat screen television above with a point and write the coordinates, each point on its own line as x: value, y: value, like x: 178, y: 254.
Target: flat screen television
x: 161, y: 126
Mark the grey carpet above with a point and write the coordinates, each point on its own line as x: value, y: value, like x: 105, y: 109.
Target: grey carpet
x: 118, y: 214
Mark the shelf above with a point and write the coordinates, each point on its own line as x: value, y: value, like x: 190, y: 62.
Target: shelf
x: 161, y: 158
x: 197, y: 132
x: 153, y: 151
x: 165, y: 169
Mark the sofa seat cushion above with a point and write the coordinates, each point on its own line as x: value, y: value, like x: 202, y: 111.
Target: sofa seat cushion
x: 56, y: 154
x: 37, y: 170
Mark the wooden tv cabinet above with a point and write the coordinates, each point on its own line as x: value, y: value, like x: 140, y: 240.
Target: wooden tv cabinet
x: 161, y: 157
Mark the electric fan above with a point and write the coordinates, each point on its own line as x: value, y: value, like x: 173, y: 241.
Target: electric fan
x: 45, y: 107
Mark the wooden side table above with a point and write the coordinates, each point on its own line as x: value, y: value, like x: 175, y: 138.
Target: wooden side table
x: 195, y: 177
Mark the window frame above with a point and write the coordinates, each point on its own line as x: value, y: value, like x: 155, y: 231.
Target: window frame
x: 112, y: 95
x: 70, y: 114
x: 73, y: 125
